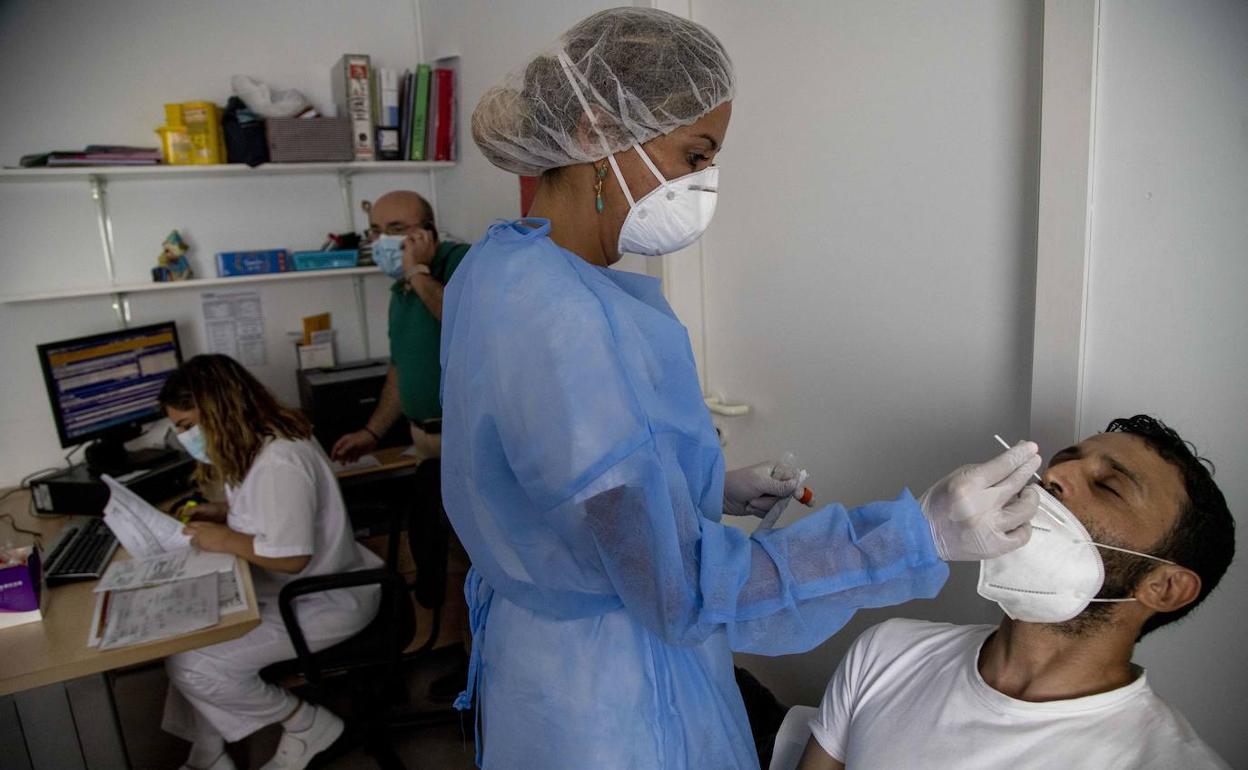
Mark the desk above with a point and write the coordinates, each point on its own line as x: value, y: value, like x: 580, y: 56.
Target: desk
x: 55, y: 649
x: 394, y: 464
x: 371, y: 492
x: 385, y: 484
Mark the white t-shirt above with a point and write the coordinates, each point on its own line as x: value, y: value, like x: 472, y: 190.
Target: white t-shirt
x: 909, y: 694
x: 291, y: 502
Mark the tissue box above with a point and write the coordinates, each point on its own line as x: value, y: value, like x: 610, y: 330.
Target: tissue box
x: 21, y: 591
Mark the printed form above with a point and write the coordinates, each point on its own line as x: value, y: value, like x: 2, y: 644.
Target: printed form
x: 169, y: 588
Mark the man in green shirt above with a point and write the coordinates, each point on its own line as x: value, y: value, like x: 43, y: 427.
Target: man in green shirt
x: 412, y: 384
x: 411, y: 387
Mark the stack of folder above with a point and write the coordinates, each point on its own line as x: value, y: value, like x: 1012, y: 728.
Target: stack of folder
x: 95, y: 155
x: 427, y: 112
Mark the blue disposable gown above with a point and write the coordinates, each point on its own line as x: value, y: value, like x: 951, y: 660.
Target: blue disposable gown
x: 583, y: 474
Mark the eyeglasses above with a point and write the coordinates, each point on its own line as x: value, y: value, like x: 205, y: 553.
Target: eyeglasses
x: 395, y: 228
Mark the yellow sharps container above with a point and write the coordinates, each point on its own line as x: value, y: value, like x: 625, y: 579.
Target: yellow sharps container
x: 192, y: 134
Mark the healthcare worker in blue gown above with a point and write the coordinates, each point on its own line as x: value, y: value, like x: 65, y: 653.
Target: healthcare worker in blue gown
x: 580, y: 466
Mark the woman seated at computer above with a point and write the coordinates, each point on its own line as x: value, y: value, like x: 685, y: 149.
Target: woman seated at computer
x: 284, y: 514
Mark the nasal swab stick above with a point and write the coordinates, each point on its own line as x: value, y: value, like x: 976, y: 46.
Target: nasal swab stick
x: 1003, y: 443
x: 1051, y: 515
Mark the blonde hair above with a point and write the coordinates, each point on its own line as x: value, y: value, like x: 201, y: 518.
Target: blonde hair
x: 237, y: 414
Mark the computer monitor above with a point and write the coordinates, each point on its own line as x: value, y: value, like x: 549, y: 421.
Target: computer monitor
x: 105, y: 387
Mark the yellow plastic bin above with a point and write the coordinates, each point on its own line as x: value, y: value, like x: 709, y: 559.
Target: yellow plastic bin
x: 175, y: 145
x: 192, y: 134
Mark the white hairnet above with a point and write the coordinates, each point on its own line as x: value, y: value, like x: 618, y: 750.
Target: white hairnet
x: 642, y: 72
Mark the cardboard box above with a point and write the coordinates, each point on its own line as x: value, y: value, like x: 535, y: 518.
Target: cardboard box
x: 326, y: 260
x: 319, y: 355
x: 231, y: 263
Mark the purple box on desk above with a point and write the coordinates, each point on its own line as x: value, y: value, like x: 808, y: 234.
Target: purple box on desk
x: 21, y: 590
x: 231, y: 263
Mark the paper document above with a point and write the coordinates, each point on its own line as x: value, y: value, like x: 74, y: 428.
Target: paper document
x: 158, y: 612
x: 363, y: 461
x: 230, y: 596
x: 139, y: 526
x: 164, y: 568
x: 230, y: 599
x: 234, y: 325
x: 168, y: 588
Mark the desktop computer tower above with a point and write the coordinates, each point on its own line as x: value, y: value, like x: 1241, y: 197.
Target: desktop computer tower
x: 79, y: 490
x: 340, y: 399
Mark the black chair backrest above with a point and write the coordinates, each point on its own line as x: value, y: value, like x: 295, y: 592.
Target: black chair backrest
x: 428, y: 535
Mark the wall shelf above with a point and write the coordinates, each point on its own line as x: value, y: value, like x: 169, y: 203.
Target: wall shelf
x: 195, y: 284
x: 97, y: 179
x: 223, y: 170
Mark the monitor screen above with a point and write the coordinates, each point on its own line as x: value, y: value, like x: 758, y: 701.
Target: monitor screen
x: 108, y: 381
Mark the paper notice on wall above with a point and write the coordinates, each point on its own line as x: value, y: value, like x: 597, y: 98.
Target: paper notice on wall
x: 234, y: 326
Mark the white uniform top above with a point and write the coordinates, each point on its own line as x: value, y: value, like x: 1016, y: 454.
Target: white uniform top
x: 291, y: 502
x: 909, y: 694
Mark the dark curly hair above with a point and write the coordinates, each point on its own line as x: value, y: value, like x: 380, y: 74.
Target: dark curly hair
x: 1202, y: 538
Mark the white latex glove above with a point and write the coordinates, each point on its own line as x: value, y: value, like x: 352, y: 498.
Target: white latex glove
x: 753, y: 491
x: 977, y: 512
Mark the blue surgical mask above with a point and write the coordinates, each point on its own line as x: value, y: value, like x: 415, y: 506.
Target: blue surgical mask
x: 193, y: 441
x: 388, y: 254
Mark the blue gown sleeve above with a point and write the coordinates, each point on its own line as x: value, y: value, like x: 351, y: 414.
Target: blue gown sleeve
x: 777, y: 592
x: 577, y: 439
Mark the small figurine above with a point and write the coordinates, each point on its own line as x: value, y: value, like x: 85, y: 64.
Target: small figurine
x: 172, y: 264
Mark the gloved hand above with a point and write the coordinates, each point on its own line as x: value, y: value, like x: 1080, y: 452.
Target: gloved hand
x: 753, y: 491
x: 977, y: 512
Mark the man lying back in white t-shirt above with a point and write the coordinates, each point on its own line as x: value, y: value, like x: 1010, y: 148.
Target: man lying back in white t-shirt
x: 1059, y: 694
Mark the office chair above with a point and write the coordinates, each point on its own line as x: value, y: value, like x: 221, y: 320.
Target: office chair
x: 379, y: 698
x: 369, y: 660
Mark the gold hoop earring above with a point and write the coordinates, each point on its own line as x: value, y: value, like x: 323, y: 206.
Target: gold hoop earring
x: 602, y: 174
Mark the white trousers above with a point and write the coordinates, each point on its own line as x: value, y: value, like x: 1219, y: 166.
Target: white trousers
x: 217, y: 690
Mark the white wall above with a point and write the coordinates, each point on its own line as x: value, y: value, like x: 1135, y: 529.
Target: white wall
x: 83, y: 72
x: 871, y: 266
x: 871, y: 261
x: 1167, y: 324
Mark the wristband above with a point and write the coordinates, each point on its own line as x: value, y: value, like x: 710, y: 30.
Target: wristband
x: 371, y: 433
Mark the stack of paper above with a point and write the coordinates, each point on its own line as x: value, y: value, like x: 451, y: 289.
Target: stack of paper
x: 183, y: 564
x: 168, y: 588
x: 148, y: 614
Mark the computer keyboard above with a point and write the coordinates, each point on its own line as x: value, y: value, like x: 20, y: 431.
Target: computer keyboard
x: 82, y: 553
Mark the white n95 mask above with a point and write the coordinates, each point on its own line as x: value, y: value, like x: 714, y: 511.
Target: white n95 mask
x: 1056, y: 575
x: 669, y: 217
x: 672, y: 215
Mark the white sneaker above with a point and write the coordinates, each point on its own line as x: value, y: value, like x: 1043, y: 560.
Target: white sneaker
x: 296, y: 750
x: 222, y: 762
